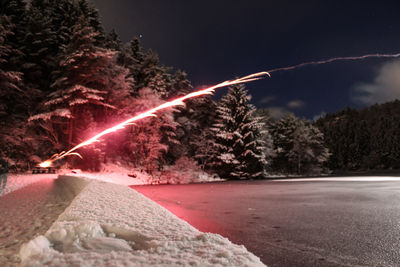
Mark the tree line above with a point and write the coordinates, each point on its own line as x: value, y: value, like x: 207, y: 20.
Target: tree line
x: 362, y: 140
x: 63, y: 79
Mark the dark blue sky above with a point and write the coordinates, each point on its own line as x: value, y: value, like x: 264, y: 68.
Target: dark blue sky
x: 218, y: 40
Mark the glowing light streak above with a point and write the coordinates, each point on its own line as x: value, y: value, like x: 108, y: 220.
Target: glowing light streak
x: 206, y: 91
x: 325, y: 61
x: 150, y: 113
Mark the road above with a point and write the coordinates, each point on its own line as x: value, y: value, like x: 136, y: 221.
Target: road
x: 295, y: 223
x: 28, y: 212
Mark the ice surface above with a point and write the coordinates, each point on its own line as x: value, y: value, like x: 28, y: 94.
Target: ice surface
x: 343, y: 179
x: 17, y: 181
x: 113, y: 225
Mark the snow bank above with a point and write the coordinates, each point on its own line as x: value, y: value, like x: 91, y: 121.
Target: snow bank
x: 113, y: 225
x: 112, y: 173
x: 183, y: 172
x: 17, y: 181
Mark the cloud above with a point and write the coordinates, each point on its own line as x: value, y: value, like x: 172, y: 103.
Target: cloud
x: 267, y: 99
x: 296, y: 104
x: 277, y: 112
x: 385, y: 86
x: 320, y: 115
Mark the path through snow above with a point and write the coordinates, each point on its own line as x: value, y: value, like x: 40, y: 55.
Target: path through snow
x: 17, y: 181
x: 28, y: 212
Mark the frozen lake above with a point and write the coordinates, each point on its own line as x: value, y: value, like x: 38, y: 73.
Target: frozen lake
x: 302, y: 222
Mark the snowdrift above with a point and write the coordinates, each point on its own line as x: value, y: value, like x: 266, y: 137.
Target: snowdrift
x: 112, y: 225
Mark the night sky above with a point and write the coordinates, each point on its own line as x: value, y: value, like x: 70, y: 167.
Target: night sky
x: 215, y: 41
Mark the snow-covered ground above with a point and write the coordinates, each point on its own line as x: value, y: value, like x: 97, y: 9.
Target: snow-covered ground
x: 113, y: 174
x: 177, y: 174
x: 112, y: 225
x: 28, y: 212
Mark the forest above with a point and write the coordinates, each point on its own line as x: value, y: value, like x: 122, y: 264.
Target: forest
x: 362, y: 140
x: 63, y: 79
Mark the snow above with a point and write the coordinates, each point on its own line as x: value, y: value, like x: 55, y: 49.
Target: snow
x: 113, y: 174
x: 17, y: 181
x: 177, y: 174
x: 28, y: 212
x: 113, y: 225
x: 116, y: 174
x: 60, y: 112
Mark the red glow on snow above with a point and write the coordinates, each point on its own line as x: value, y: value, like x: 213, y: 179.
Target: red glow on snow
x: 151, y: 112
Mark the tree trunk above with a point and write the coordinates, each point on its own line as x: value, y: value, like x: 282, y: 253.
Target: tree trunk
x: 70, y: 128
x: 70, y: 132
x: 298, y: 164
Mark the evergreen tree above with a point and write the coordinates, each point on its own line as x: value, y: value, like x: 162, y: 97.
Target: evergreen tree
x: 15, y: 11
x: 90, y: 82
x: 195, y: 122
x: 65, y: 15
x: 112, y: 41
x: 308, y: 153
x: 283, y: 135
x: 266, y: 136
x: 40, y: 46
x: 237, y: 131
x: 180, y: 84
x: 205, y: 149
x: 153, y: 75
x: 146, y: 70
x: 363, y: 139
x: 10, y: 81
x: 145, y: 143
x: 15, y: 103
x: 190, y: 118
x: 92, y: 17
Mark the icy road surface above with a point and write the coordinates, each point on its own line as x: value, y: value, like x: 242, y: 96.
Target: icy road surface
x: 28, y: 212
x: 308, y: 222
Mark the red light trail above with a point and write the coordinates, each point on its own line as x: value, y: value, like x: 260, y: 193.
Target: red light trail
x: 151, y: 112
x: 206, y: 91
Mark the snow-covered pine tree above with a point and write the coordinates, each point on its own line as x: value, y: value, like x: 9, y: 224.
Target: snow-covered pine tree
x: 91, y: 15
x: 146, y: 70
x: 205, y: 151
x: 40, y: 46
x: 237, y: 132
x: 266, y: 136
x: 186, y: 124
x: 145, y: 143
x: 15, y: 102
x: 89, y: 80
x: 112, y: 41
x: 153, y: 75
x: 308, y: 152
x: 65, y: 15
x: 15, y: 11
x: 198, y: 137
x: 180, y: 84
x: 283, y: 135
x: 10, y: 80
